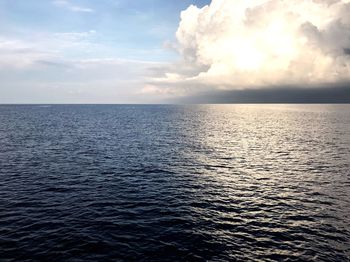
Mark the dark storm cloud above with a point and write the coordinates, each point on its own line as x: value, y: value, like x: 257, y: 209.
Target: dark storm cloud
x: 337, y: 93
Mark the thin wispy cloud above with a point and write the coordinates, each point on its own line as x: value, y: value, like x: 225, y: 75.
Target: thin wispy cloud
x: 67, y: 64
x: 51, y: 47
x: 101, y: 51
x: 72, y: 7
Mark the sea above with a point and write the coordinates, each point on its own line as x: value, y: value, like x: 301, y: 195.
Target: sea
x: 175, y: 182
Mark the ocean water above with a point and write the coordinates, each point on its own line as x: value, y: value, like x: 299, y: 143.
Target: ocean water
x: 175, y: 183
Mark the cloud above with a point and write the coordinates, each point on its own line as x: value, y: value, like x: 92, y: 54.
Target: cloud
x: 329, y: 93
x: 64, y: 80
x: 26, y: 52
x: 253, y: 44
x: 15, y: 53
x: 72, y: 7
x: 55, y: 68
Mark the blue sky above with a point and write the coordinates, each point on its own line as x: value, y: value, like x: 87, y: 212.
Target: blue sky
x: 84, y: 51
x: 129, y: 29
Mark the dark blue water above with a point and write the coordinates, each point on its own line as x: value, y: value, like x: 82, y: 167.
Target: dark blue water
x: 175, y: 183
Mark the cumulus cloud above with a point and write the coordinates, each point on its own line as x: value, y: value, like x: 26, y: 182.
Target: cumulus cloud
x: 238, y: 44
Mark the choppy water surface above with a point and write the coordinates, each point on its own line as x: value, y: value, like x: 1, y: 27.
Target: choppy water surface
x: 169, y: 183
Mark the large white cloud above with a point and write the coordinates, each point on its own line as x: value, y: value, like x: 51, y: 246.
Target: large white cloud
x: 255, y: 43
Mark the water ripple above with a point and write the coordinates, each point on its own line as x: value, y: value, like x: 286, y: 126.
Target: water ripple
x: 175, y: 183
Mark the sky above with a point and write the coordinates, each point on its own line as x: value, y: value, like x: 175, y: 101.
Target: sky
x: 155, y: 51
